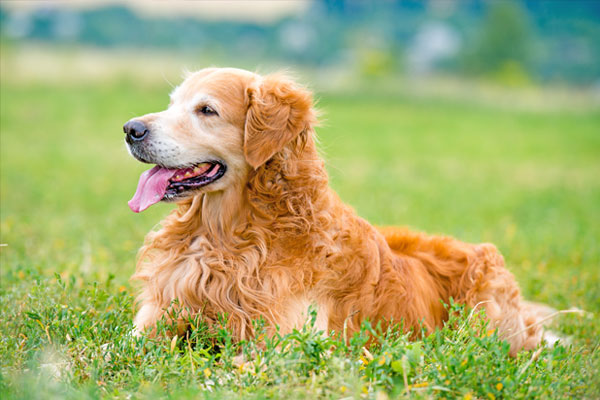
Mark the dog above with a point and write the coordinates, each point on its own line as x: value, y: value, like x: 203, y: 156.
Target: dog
x: 258, y: 232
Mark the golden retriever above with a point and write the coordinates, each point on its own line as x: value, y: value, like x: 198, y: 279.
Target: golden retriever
x: 258, y: 232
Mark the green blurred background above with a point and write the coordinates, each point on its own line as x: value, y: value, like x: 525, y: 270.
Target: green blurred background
x: 476, y: 119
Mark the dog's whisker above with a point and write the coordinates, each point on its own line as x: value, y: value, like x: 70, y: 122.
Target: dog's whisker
x: 167, y: 80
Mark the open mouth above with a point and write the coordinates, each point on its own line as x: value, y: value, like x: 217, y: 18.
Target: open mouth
x: 160, y: 183
x: 192, y: 178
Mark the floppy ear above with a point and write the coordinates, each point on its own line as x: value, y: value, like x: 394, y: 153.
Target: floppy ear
x: 279, y: 111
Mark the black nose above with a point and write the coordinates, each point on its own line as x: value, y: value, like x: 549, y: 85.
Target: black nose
x: 135, y: 130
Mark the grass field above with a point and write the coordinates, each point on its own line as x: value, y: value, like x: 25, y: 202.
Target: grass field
x: 528, y: 181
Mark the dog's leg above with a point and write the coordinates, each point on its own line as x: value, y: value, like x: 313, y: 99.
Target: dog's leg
x: 150, y: 314
x: 496, y: 290
x: 146, y: 318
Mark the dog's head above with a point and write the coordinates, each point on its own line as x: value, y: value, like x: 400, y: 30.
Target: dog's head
x: 221, y: 123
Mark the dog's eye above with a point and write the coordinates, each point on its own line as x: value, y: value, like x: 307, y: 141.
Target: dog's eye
x: 206, y: 110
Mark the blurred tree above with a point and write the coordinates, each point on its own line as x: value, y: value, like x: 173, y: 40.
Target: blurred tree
x: 377, y: 63
x: 506, y: 40
x: 503, y: 48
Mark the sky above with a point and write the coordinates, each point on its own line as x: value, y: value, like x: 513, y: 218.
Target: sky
x: 260, y: 11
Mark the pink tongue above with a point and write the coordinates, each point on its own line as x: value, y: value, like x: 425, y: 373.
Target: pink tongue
x: 151, y: 188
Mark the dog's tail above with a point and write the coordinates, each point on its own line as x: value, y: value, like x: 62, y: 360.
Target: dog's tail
x: 541, y: 315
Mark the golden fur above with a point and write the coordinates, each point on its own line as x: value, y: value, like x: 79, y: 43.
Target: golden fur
x: 271, y: 236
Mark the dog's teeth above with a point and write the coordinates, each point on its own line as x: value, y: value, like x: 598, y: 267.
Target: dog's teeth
x: 188, y: 174
x: 178, y: 177
x: 196, y: 170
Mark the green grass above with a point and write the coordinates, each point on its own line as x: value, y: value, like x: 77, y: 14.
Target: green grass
x: 527, y: 181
